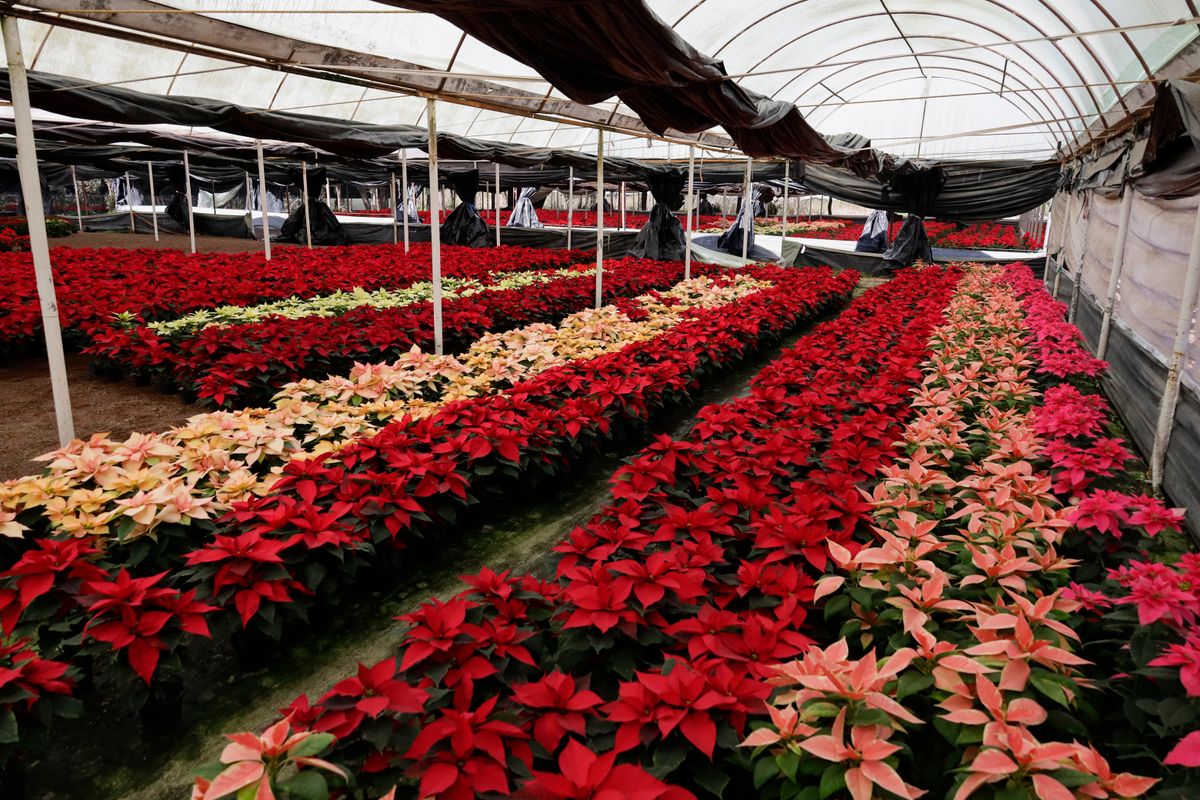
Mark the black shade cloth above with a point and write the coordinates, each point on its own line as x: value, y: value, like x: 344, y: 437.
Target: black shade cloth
x: 662, y: 236
x: 524, y: 215
x: 911, y: 245
x: 706, y: 207
x: 325, y: 227
x: 464, y: 225
x: 592, y: 50
x: 731, y: 240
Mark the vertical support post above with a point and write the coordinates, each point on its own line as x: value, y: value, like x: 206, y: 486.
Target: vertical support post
x: 328, y: 196
x: 496, y: 202
x: 129, y: 202
x: 599, y: 217
x: 262, y: 200
x: 435, y: 228
x: 1118, y: 265
x: 404, y: 192
x: 1077, y: 284
x: 191, y: 211
x: 153, y: 199
x: 623, y: 217
x: 787, y: 178
x: 304, y: 200
x: 691, y: 205
x: 570, y: 202
x: 1170, y: 398
x: 395, y: 208
x: 747, y: 211
x: 39, y: 245
x: 1062, y: 246
x: 78, y: 204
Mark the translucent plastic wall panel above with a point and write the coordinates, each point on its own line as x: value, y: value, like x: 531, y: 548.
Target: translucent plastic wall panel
x: 99, y: 59
x: 387, y: 108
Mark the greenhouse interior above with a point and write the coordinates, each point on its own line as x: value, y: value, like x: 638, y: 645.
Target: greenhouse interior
x: 648, y: 399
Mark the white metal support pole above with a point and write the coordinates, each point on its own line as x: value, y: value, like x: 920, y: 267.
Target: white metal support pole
x: 687, y: 244
x: 395, y: 209
x: 787, y: 174
x: 1077, y: 283
x: 435, y: 229
x: 328, y: 196
x: 39, y: 245
x: 1170, y: 398
x: 496, y: 203
x: 599, y: 217
x: 1114, y: 277
x: 304, y: 200
x: 262, y: 201
x: 78, y: 204
x: 129, y: 202
x: 570, y: 202
x: 747, y: 211
x: 153, y: 199
x: 623, y: 217
x: 191, y: 211
x: 404, y: 192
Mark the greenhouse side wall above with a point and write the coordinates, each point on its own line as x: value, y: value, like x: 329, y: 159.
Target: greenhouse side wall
x: 1144, y: 319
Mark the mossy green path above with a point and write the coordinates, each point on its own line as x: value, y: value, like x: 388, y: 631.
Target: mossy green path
x: 107, y: 754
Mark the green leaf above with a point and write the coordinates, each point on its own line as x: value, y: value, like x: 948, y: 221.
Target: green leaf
x: 667, y: 759
x: 789, y: 764
x: 765, y: 771
x: 8, y: 727
x: 912, y: 682
x: 313, y: 745
x: 833, y: 779
x: 712, y: 779
x: 1175, y: 714
x: 307, y: 785
x: 815, y: 711
x: 1049, y: 687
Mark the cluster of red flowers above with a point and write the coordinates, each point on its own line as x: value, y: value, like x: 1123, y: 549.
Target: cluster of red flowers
x: 93, y: 285
x: 669, y: 606
x: 245, y: 364
x: 983, y: 236
x: 32, y: 690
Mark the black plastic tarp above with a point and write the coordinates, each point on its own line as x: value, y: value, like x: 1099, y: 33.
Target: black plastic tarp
x: 662, y: 236
x: 911, y: 245
x: 464, y: 225
x: 324, y: 226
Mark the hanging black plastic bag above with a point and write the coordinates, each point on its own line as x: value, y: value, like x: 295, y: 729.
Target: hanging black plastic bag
x: 662, y: 237
x: 322, y: 222
x: 911, y: 245
x: 464, y: 226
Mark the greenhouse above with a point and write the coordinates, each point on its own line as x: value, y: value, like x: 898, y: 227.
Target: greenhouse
x: 564, y: 399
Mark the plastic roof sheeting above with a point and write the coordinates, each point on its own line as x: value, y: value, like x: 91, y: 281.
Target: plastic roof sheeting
x: 848, y: 64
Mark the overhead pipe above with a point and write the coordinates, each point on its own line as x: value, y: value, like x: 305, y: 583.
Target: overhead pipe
x: 39, y: 244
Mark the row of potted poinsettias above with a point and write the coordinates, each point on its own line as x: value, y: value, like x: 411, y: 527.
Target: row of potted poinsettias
x: 438, y: 433
x: 742, y: 621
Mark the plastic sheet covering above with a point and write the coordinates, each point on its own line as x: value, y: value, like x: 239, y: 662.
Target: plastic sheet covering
x: 663, y: 237
x: 655, y: 72
x: 731, y: 240
x: 464, y: 225
x: 234, y: 197
x: 706, y: 207
x: 524, y: 215
x: 875, y: 233
x: 911, y: 245
x: 324, y: 225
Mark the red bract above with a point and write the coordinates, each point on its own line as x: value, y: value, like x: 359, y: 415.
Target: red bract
x: 558, y: 707
x: 51, y: 561
x: 583, y: 774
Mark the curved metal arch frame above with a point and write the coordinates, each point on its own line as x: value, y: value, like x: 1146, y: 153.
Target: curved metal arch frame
x: 1047, y: 128
x: 1050, y: 74
x: 1034, y: 87
x: 1023, y: 18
